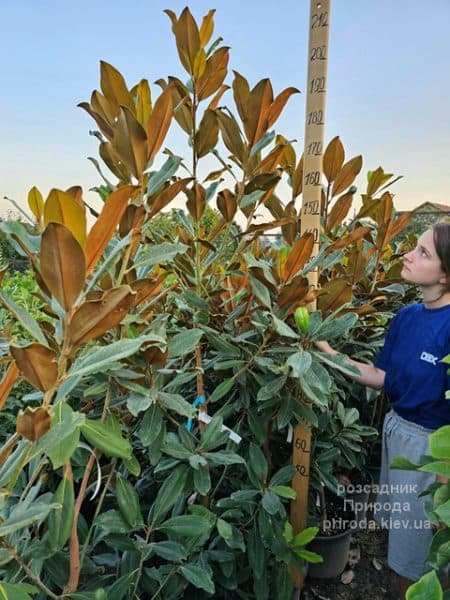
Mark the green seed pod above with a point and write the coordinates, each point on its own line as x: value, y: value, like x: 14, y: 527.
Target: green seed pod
x: 301, y: 317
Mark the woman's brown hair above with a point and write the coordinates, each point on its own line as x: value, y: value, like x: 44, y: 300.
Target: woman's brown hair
x: 441, y: 238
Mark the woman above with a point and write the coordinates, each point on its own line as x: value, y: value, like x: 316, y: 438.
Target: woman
x: 415, y: 381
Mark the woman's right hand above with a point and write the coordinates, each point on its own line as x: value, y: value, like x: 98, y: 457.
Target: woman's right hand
x: 325, y: 347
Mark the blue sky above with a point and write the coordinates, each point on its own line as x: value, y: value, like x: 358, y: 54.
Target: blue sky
x: 388, y: 85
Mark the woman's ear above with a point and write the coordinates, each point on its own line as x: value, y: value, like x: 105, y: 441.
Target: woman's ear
x: 445, y: 280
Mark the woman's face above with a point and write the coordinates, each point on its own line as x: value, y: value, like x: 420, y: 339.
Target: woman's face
x: 422, y: 265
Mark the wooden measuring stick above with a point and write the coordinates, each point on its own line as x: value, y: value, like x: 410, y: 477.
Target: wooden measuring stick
x: 310, y: 222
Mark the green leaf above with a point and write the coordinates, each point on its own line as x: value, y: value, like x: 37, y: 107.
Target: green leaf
x: 169, y: 550
x: 224, y: 458
x: 299, y: 362
x: 60, y: 442
x: 24, y: 318
x: 120, y: 588
x: 137, y: 402
x: 202, y: 480
x: 186, y: 526
x: 304, y: 537
x: 256, y: 551
x: 157, y: 179
x: 224, y: 529
x: 443, y: 512
x: 288, y: 532
x: 132, y: 464
x: 176, y: 403
x: 100, y: 358
x: 170, y: 492
x: 261, y: 292
x: 336, y: 327
x: 60, y: 521
x: 400, y: 462
x: 16, y: 591
x: 271, y: 502
x: 268, y: 391
x: 150, y: 425
x: 283, y: 580
x: 284, y: 491
x: 283, y: 476
x: 338, y: 362
x: 198, y: 577
x: 439, y: 443
x: 257, y: 461
x: 128, y: 501
x: 222, y: 389
x: 427, y: 588
x: 23, y: 515
x: 212, y: 436
x: 184, y: 342
x: 283, y: 329
x: 220, y: 342
x: 437, y: 467
x: 105, y: 438
x: 112, y: 521
x: 160, y: 253
x: 309, y: 556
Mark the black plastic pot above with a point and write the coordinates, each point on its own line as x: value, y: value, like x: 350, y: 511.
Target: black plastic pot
x: 334, y: 551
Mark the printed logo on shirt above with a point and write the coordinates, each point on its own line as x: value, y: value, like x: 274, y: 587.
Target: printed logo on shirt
x: 429, y: 358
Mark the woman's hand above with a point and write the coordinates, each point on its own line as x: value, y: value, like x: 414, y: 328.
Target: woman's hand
x: 325, y: 347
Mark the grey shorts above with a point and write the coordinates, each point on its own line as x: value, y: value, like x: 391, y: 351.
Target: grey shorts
x: 398, y: 507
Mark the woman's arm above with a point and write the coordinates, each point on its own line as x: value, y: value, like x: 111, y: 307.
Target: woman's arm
x: 370, y: 375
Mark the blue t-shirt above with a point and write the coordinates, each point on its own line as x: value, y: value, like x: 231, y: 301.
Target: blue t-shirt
x: 416, y: 381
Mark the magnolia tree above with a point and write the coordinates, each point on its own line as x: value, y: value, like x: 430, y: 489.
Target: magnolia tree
x: 151, y: 459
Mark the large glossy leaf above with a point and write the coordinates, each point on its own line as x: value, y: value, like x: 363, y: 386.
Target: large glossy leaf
x: 98, y: 359
x: 339, y: 211
x: 159, y: 122
x: 187, y: 38
x: 259, y: 103
x: 162, y: 199
x: 130, y: 142
x: 23, y: 515
x: 211, y: 80
x: 186, y: 526
x: 60, y: 521
x: 298, y: 256
x: 60, y: 442
x: 198, y: 577
x: 207, y: 134
x: 61, y: 207
x: 38, y: 365
x: 439, y: 443
x: 11, y: 376
x: 114, y: 87
x: 105, y: 437
x: 17, y: 591
x: 160, y: 253
x: 24, y: 318
x: 36, y: 203
x: 62, y: 265
x: 427, y: 588
x: 333, y: 159
x: 169, y: 492
x: 93, y: 318
x: 104, y: 227
x: 279, y: 103
x: 33, y: 423
x: 184, y: 342
x: 347, y: 175
x: 143, y: 103
x: 128, y: 501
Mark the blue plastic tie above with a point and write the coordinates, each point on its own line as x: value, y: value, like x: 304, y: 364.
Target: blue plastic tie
x: 199, y: 400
